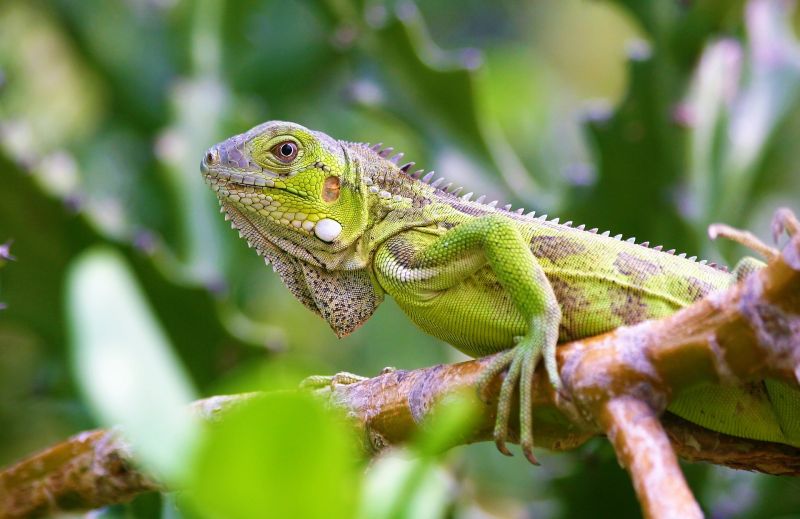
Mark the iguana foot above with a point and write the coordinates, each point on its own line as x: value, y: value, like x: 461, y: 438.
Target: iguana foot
x: 746, y: 238
x: 521, y: 362
x: 784, y: 220
x: 330, y: 381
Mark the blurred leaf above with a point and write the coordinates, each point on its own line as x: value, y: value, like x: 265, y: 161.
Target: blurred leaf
x: 638, y: 150
x: 280, y: 455
x: 713, y: 89
x: 128, y: 44
x: 397, y: 487
x: 39, y: 62
x: 124, y: 362
x: 199, y: 105
x: 388, y: 494
x: 449, y: 421
x: 446, y: 85
x: 5, y: 253
x: 740, y: 99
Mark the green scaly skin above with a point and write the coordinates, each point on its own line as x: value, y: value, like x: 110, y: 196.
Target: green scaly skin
x: 343, y: 224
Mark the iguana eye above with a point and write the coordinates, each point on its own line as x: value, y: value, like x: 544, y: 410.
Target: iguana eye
x: 285, y: 151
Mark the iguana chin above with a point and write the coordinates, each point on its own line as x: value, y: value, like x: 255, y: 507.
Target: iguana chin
x: 343, y: 224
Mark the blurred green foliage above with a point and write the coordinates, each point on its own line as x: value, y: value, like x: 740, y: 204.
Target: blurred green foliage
x: 306, y: 468
x: 648, y: 118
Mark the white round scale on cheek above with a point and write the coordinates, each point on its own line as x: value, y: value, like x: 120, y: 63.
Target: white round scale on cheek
x: 327, y: 229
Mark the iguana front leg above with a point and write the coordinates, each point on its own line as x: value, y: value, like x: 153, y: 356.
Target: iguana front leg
x: 458, y: 254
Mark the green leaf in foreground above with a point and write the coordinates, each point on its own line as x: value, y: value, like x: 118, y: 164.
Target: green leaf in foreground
x: 400, y: 486
x: 124, y: 363
x: 281, y: 455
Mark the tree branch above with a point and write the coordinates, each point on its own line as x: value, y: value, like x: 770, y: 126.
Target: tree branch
x: 643, y: 447
x: 89, y: 470
x: 614, y: 384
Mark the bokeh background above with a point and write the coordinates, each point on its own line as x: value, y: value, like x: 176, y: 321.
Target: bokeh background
x: 651, y: 119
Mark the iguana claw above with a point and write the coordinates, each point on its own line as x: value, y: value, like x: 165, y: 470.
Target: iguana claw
x: 504, y: 403
x: 521, y: 362
x: 784, y: 220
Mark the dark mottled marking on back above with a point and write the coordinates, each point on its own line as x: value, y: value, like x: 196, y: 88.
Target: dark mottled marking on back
x: 629, y: 306
x: 401, y: 250
x: 570, y: 296
x: 467, y: 208
x: 555, y: 248
x: 493, y: 285
x: 756, y: 390
x: 572, y: 300
x: 697, y: 288
x: 636, y: 268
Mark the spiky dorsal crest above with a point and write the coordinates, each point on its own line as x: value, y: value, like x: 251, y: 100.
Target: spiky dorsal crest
x: 442, y: 189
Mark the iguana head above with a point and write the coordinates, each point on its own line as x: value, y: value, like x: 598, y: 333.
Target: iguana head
x: 295, y: 182
x: 296, y: 197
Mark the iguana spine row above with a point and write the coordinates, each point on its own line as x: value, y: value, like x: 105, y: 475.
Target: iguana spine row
x: 446, y: 190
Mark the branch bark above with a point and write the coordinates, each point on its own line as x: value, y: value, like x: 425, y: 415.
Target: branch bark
x: 615, y: 384
x: 638, y: 438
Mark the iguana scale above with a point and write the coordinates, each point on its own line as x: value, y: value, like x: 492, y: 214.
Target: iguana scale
x: 343, y: 224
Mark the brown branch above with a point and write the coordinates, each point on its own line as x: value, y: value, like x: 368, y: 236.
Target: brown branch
x: 616, y: 384
x: 89, y: 470
x: 639, y: 439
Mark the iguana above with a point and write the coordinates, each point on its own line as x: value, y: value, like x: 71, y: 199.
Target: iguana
x: 343, y: 224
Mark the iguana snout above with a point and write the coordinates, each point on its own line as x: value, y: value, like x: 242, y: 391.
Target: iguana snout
x: 231, y: 161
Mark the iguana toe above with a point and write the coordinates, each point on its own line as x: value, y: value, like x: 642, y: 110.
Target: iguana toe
x: 497, y: 365
x: 330, y: 381
x: 521, y: 362
x: 504, y: 402
x: 784, y: 220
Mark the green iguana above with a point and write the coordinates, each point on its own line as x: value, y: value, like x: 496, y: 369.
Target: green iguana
x: 343, y: 224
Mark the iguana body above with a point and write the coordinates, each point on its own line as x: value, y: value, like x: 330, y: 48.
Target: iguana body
x: 343, y: 225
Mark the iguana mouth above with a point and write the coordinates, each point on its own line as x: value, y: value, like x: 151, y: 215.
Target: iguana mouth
x: 242, y: 179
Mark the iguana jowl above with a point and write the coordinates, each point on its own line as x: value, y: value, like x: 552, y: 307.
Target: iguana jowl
x: 343, y: 224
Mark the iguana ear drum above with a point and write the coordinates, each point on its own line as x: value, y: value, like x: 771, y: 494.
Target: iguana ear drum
x: 330, y: 189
